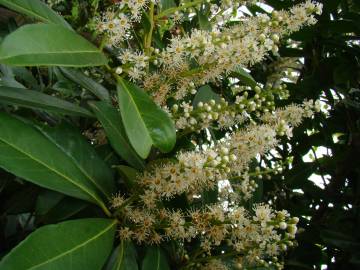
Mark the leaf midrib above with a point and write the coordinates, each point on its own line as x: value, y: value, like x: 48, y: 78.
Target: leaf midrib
x: 70, y: 108
x: 54, y: 170
x: 138, y: 112
x: 29, y: 11
x: 136, y: 107
x: 158, y: 259
x: 118, y: 267
x: 92, y: 180
x: 76, y: 247
x: 46, y: 53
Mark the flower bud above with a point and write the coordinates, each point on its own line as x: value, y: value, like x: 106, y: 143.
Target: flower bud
x: 275, y: 38
x: 175, y: 108
x: 283, y: 247
x: 224, y: 150
x: 119, y: 70
x: 295, y: 220
x: 292, y: 229
x: 282, y: 225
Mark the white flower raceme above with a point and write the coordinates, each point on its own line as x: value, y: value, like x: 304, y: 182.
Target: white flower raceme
x: 203, y: 169
x: 256, y: 238
x: 221, y: 51
x: 284, y: 120
x: 263, y: 234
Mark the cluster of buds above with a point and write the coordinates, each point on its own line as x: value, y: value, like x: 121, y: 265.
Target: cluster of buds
x: 52, y: 3
x: 221, y: 159
x: 221, y: 114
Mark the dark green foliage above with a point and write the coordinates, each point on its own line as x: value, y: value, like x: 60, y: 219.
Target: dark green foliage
x: 53, y: 116
x: 331, y: 215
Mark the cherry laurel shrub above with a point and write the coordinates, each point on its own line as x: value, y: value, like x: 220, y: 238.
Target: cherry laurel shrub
x: 137, y: 133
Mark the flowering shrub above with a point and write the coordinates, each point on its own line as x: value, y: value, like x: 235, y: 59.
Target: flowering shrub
x: 154, y: 144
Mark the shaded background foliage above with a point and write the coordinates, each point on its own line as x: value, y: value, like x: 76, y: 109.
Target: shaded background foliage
x: 329, y: 213
x: 331, y: 72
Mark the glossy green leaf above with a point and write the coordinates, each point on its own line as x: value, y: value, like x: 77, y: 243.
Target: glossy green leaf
x: 245, y: 77
x: 155, y: 259
x: 66, y: 166
x: 111, y: 121
x: 83, y: 155
x: 75, y: 244
x: 87, y: 83
x: 123, y: 258
x: 39, y: 101
x: 204, y: 22
x: 48, y: 45
x: 145, y: 123
x: 205, y: 94
x: 35, y: 9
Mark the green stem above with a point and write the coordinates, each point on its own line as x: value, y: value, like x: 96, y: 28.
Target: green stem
x: 179, y: 8
x: 105, y: 209
x: 148, y: 37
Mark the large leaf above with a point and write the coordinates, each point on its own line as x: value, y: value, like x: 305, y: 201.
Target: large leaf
x: 50, y: 45
x: 83, y: 155
x: 39, y: 101
x: 86, y: 82
x: 36, y: 9
x: 123, y: 258
x: 76, y: 244
x: 67, y: 166
x: 111, y: 121
x: 145, y: 123
x: 155, y: 259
